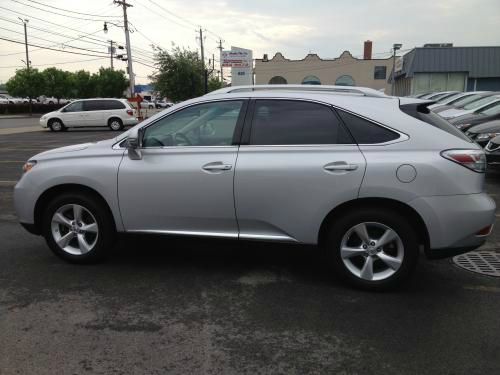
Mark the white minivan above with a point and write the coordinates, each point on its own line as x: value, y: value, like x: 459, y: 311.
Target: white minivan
x: 114, y: 113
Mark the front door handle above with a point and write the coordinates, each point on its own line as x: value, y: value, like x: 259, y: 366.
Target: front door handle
x: 217, y: 166
x: 340, y: 166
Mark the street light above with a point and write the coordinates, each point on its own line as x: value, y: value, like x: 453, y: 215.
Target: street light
x: 395, y: 47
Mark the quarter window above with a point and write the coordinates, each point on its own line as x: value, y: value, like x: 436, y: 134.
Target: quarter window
x: 366, y: 132
x: 210, y: 124
x: 290, y: 122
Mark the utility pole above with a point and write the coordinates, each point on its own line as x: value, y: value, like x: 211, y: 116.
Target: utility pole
x: 111, y: 53
x: 124, y: 4
x: 220, y: 57
x: 204, y: 71
x: 395, y: 47
x: 25, y: 22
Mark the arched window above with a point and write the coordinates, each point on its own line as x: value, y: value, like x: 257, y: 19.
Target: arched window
x: 311, y: 80
x: 278, y: 80
x: 345, y: 80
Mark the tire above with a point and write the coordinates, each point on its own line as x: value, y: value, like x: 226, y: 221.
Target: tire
x: 391, y: 264
x: 115, y: 124
x: 151, y: 107
x: 85, y: 240
x: 56, y: 125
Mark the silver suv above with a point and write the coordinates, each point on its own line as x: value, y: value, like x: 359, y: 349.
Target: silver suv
x: 370, y: 178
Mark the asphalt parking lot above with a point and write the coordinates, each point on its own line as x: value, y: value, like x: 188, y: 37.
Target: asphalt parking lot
x: 185, y: 306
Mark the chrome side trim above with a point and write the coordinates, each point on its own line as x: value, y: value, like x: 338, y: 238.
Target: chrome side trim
x: 185, y: 233
x: 267, y: 237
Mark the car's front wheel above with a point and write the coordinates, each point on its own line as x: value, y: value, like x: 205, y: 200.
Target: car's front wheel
x: 78, y: 228
x: 373, y: 248
x: 56, y: 125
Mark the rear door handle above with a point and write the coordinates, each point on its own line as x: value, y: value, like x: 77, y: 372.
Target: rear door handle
x: 217, y: 166
x: 340, y: 166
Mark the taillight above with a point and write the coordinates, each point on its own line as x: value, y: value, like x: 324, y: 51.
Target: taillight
x: 472, y: 159
x: 130, y: 112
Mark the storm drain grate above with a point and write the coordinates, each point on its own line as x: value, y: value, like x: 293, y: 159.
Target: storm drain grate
x: 483, y: 262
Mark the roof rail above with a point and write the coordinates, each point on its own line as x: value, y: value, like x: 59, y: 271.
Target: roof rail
x: 365, y: 91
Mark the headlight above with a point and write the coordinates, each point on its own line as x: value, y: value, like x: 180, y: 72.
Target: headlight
x: 461, y: 126
x: 486, y: 136
x: 29, y: 165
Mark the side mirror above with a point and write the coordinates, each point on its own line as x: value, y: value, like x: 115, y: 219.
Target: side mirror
x: 133, y: 145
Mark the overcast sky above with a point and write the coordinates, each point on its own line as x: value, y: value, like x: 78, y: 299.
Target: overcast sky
x: 293, y: 27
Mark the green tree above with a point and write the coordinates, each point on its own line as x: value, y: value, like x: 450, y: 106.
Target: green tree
x: 57, y: 83
x: 214, y: 84
x: 83, y: 85
x: 179, y: 75
x: 110, y: 83
x: 26, y: 83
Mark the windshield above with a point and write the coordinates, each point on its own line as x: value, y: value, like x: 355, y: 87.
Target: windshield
x: 450, y: 98
x: 493, y: 110
x: 479, y: 103
x: 461, y: 101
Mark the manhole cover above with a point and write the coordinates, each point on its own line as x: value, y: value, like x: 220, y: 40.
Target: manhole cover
x: 483, y: 262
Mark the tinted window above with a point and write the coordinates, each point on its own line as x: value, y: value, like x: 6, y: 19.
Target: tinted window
x: 290, y: 122
x: 380, y: 72
x: 74, y: 107
x: 468, y: 99
x: 366, y: 132
x: 210, y: 124
x: 114, y: 104
x: 95, y: 105
x: 492, y: 109
x: 479, y: 103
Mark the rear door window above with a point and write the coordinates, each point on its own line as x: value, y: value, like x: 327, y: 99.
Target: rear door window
x: 366, y: 132
x: 294, y: 122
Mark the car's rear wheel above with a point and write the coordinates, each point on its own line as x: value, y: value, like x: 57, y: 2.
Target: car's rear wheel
x: 78, y: 228
x: 372, y: 248
x: 115, y: 124
x: 56, y: 125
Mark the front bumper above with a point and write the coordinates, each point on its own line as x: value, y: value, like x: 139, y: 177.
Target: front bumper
x: 43, y: 122
x: 453, y: 222
x: 493, y: 158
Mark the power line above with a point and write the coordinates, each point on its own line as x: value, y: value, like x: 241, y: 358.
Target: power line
x: 173, y: 14
x: 51, y: 49
x: 59, y: 14
x: 58, y: 63
x: 71, y: 11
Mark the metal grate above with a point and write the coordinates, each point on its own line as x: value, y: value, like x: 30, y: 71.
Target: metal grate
x: 483, y: 262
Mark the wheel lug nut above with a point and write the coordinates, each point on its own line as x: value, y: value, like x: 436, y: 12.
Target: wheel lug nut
x: 372, y: 243
x: 364, y: 246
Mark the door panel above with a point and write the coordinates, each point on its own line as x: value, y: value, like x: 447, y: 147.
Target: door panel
x: 285, y: 192
x: 169, y: 190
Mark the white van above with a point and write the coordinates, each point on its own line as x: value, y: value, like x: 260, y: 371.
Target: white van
x: 114, y: 113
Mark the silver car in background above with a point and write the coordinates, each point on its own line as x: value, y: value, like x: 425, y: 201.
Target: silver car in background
x: 371, y: 179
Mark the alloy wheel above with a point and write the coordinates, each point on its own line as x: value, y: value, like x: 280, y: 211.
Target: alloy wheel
x: 372, y: 251
x: 74, y: 229
x: 115, y: 125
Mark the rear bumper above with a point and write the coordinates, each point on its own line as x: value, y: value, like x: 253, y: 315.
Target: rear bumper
x: 453, y: 222
x: 129, y: 121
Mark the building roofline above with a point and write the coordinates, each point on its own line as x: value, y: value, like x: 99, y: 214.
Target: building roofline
x: 309, y: 55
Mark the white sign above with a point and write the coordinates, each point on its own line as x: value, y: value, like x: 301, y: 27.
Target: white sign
x: 236, y: 59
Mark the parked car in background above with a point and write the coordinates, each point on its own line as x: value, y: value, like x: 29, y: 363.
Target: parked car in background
x: 439, y: 95
x: 162, y: 103
x: 370, y: 178
x: 419, y: 95
x: 114, y: 113
x: 11, y: 99
x: 452, y: 101
x: 488, y: 113
x: 147, y: 104
x: 475, y: 106
x: 492, y: 151
x: 4, y: 101
x: 52, y: 100
x: 484, y: 132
